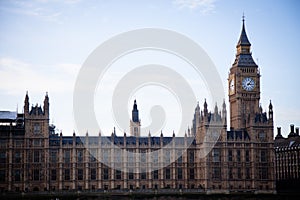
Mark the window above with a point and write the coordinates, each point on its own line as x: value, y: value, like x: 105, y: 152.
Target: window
x: 179, y: 155
x: 67, y: 174
x: 105, y: 174
x: 155, y: 157
x: 155, y: 174
x: 247, y: 173
x: 79, y: 155
x: 179, y: 160
x: 239, y: 173
x: 263, y: 156
x: 3, y: 143
x: 247, y: 156
x: 93, y: 174
x: 17, y: 157
x: 216, y: 155
x: 216, y: 173
x: 53, y: 174
x: 130, y: 158
x: 36, y: 142
x: 135, y: 131
x: 179, y: 173
x: 106, y: 155
x: 229, y: 155
x: 262, y: 136
x: 36, y: 156
x: 80, y: 174
x: 36, y: 128
x: 167, y: 173
x: 36, y: 175
x: 117, y: 156
x: 238, y: 155
x: 19, y: 143
x: 192, y: 174
x: 118, y: 174
x: 130, y: 174
x: 2, y: 176
x: 263, y: 173
x: 93, y: 155
x: 143, y: 174
x: 191, y: 156
x: 167, y: 156
x: 143, y: 156
x: 53, y: 156
x: 67, y: 156
x: 17, y: 175
x: 2, y: 157
x: 230, y: 174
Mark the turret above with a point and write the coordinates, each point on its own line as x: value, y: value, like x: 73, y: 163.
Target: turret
x: 205, y: 108
x: 26, y: 104
x: 46, y: 105
x: 270, y: 111
x: 135, y: 113
x: 135, y: 122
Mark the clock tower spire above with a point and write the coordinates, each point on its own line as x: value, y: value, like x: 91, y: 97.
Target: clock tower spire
x: 243, y: 84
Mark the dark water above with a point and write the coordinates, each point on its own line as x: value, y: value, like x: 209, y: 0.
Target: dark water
x: 160, y: 197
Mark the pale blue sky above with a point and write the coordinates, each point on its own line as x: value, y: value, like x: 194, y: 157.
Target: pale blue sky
x: 43, y: 43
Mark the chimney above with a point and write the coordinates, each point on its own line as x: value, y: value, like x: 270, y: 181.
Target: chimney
x: 278, y: 130
x: 297, y: 131
x: 292, y: 128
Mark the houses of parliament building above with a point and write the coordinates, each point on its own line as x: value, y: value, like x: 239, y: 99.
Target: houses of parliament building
x: 35, y: 158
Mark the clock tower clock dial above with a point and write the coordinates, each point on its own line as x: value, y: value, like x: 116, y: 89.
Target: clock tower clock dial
x: 231, y: 85
x: 248, y: 84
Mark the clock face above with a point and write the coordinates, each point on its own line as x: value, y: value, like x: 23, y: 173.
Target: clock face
x: 231, y: 85
x: 248, y: 84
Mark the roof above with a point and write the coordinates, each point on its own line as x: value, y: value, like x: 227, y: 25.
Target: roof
x: 8, y: 115
x: 287, y: 143
x: 36, y: 110
x: 243, y: 38
x: 131, y: 140
x: 244, y: 60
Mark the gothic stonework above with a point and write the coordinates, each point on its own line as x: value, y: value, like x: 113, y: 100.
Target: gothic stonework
x: 33, y: 157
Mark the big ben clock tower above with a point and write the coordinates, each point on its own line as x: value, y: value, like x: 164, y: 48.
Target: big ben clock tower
x: 251, y: 129
x: 243, y: 85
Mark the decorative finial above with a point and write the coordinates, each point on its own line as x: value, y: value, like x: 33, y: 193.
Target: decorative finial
x: 243, y: 17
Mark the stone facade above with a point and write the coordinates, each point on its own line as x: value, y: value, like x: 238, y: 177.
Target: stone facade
x: 217, y: 160
x: 287, y: 159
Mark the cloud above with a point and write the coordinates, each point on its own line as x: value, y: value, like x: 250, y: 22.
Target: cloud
x: 41, y: 9
x: 205, y: 6
x: 17, y: 76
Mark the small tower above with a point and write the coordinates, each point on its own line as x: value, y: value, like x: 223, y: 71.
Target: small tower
x: 135, y: 122
x: 271, y: 111
x: 46, y: 105
x: 26, y: 104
